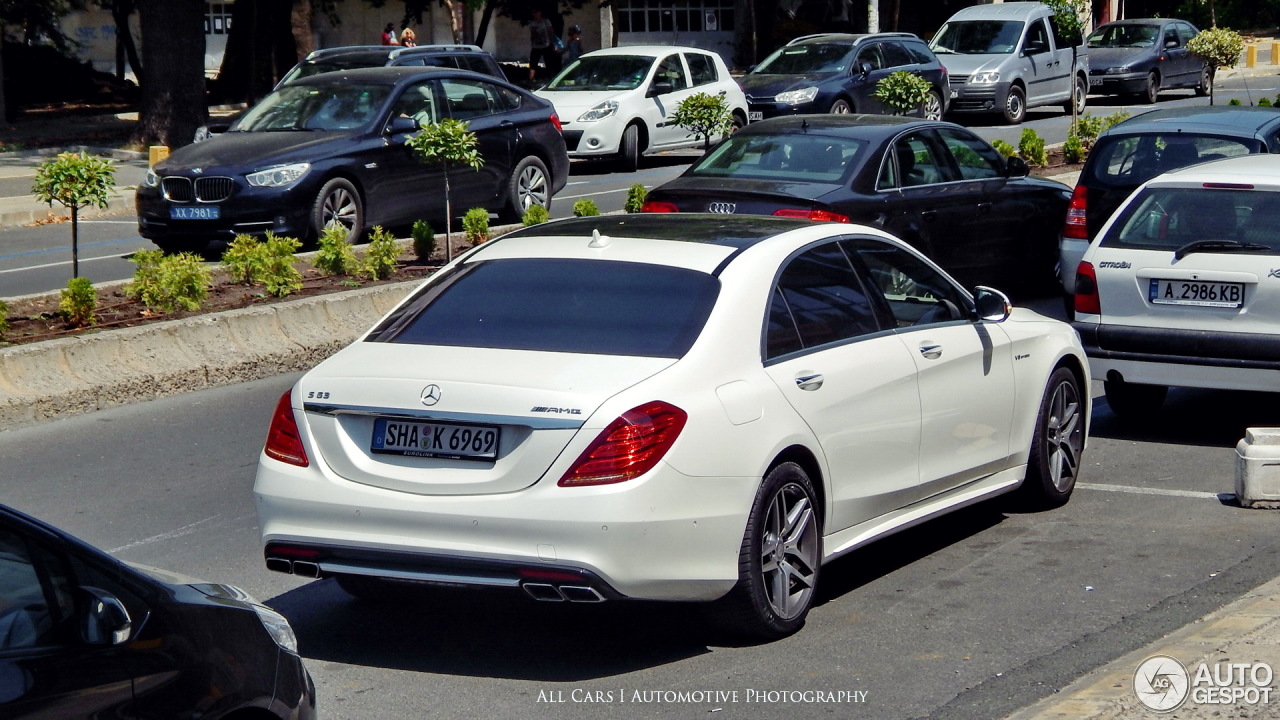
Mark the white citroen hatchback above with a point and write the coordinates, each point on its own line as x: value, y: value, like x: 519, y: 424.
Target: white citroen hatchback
x: 1181, y: 287
x: 691, y: 408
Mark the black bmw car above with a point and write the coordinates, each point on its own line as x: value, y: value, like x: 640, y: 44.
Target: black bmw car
x: 936, y: 185
x: 83, y: 635
x: 331, y: 148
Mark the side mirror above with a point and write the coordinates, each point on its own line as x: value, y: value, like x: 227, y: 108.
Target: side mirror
x: 864, y: 67
x: 1035, y: 47
x: 660, y: 87
x: 399, y: 125
x: 991, y: 304
x: 104, y: 619
x: 1016, y: 167
x: 1171, y: 43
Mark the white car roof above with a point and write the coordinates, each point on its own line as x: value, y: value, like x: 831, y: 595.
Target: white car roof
x: 648, y: 50
x: 1253, y: 169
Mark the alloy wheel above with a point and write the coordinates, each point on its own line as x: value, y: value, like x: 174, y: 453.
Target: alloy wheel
x: 339, y: 207
x: 532, y: 187
x: 789, y: 551
x: 1064, y: 435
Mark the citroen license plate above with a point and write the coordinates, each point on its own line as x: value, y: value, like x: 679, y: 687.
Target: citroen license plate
x: 1196, y: 292
x: 435, y: 439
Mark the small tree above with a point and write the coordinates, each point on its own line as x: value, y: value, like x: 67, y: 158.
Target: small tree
x: 75, y: 180
x: 381, y: 255
x: 335, y: 255
x: 476, y: 225
x: 704, y: 115
x: 1218, y: 47
x: 635, y: 198
x: 1071, y: 17
x: 78, y: 303
x: 447, y: 141
x: 902, y: 91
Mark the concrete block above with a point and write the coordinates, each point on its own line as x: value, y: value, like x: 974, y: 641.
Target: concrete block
x: 1258, y: 468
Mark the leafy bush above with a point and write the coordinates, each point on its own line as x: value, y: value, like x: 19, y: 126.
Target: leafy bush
x: 1218, y: 47
x: 79, y: 300
x: 1073, y: 149
x: 4, y: 318
x: 243, y: 259
x: 1031, y: 148
x: 335, y: 255
x: 1004, y: 148
x: 146, y: 276
x: 703, y: 115
x: 381, y: 256
x: 635, y: 198
x: 424, y: 239
x: 279, y: 276
x: 1114, y: 119
x: 1234, y: 101
x: 903, y: 91
x: 476, y: 224
x: 585, y: 207
x: 534, y: 215
x: 169, y: 282
x: 1264, y: 102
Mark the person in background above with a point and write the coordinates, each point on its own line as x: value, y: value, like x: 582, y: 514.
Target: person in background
x: 407, y: 38
x: 389, y: 34
x: 573, y: 47
x: 540, y: 45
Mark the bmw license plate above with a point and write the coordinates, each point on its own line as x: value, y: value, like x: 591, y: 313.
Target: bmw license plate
x: 193, y: 212
x: 435, y: 439
x: 1196, y: 292
x: 754, y: 115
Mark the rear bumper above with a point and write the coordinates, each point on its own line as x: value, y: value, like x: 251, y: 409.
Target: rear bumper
x: 1182, y: 358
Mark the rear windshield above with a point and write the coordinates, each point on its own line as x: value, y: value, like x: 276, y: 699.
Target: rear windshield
x: 1131, y: 161
x: 557, y: 305
x: 804, y: 158
x: 1172, y: 218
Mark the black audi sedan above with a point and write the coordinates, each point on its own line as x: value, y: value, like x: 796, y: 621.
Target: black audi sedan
x: 935, y: 185
x: 838, y: 73
x: 83, y: 635
x: 331, y: 148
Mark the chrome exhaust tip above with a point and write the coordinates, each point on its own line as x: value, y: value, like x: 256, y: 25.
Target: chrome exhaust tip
x: 280, y: 565
x: 543, y: 592
x: 581, y: 594
x: 306, y: 569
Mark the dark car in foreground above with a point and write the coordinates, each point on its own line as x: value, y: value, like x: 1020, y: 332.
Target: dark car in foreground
x: 83, y: 635
x: 838, y: 73
x: 936, y: 185
x: 1142, y: 57
x: 331, y: 148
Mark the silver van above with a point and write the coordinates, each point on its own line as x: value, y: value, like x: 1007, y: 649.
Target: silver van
x: 1007, y: 57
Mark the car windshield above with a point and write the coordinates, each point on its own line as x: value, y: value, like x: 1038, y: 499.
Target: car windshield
x: 1124, y: 36
x: 1218, y: 219
x: 1130, y: 161
x: 331, y: 106
x: 603, y: 72
x: 307, y: 69
x: 559, y: 305
x: 804, y: 158
x: 978, y: 37
x: 805, y: 59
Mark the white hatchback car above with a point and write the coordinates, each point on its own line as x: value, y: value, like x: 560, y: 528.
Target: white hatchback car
x: 617, y: 102
x: 1182, y: 285
x: 688, y: 408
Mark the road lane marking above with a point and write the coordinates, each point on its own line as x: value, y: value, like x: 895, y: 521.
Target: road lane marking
x: 172, y: 534
x: 602, y: 192
x: 25, y: 268
x: 1156, y: 491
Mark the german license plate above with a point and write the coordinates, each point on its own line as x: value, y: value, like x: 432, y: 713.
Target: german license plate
x: 754, y: 115
x: 193, y: 212
x: 1196, y: 292
x: 435, y: 439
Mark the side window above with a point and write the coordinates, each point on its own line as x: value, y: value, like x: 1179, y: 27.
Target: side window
x: 818, y: 300
x: 416, y: 102
x: 1036, y: 35
x: 1061, y: 39
x: 915, y: 293
x: 702, y: 68
x: 1170, y: 33
x: 920, y: 52
x: 869, y: 55
x: 470, y: 99
x: 1186, y: 32
x: 33, y: 594
x: 475, y: 63
x: 672, y: 71
x: 914, y: 162
x: 975, y: 159
x: 895, y: 55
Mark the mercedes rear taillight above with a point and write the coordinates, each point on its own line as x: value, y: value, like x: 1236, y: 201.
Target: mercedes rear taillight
x: 629, y: 447
x: 284, y: 442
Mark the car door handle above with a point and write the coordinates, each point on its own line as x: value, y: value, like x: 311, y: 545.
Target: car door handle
x: 809, y: 382
x: 984, y: 208
x: 931, y: 351
x: 929, y: 215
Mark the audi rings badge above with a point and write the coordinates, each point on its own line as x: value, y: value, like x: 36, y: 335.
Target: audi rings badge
x: 722, y: 208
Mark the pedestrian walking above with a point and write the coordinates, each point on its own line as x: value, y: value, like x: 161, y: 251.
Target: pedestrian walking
x: 408, y: 38
x: 541, y: 38
x: 389, y: 34
x: 573, y: 46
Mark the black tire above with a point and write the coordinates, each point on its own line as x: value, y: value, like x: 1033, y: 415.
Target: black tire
x: 841, y: 107
x: 1133, y: 401
x: 629, y: 150
x: 1151, y: 92
x: 1079, y: 96
x: 1056, y: 443
x: 1015, y: 106
x: 338, y: 202
x: 779, y: 560
x: 529, y: 184
x: 1202, y: 87
x: 932, y: 109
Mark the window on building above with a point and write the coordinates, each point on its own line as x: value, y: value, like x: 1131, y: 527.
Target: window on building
x: 217, y: 18
x: 675, y: 16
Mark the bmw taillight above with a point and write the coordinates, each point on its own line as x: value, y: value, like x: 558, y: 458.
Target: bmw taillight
x: 629, y: 447
x: 555, y: 120
x: 1076, y: 226
x: 814, y: 214
x: 658, y: 206
x: 284, y: 442
x: 1087, y: 300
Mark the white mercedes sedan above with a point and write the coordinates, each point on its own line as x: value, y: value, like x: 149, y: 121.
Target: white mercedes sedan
x: 666, y: 407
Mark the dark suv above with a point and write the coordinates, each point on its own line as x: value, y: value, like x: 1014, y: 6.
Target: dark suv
x: 837, y: 73
x: 461, y: 57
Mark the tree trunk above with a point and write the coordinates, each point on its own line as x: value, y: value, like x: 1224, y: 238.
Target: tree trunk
x: 300, y: 22
x: 121, y: 11
x: 454, y: 8
x: 173, y: 96
x: 75, y: 241
x: 484, y: 23
x: 261, y: 47
x: 448, y: 218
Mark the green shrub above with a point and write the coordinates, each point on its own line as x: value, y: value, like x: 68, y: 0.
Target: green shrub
x: 381, y: 256
x: 4, y: 318
x: 1218, y: 47
x: 1087, y: 128
x: 243, y: 259
x: 1073, y: 149
x: 635, y: 198
x: 279, y: 276
x: 424, y: 239
x: 585, y: 207
x: 146, y: 276
x: 534, y: 215
x: 1004, y: 148
x: 902, y: 91
x: 1031, y: 148
x: 1114, y: 119
x: 335, y: 255
x: 1234, y: 101
x: 1264, y: 102
x: 476, y: 225
x: 169, y: 282
x: 79, y: 300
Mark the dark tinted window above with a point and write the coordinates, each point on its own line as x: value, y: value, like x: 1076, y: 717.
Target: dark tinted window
x: 1133, y: 160
x: 975, y: 159
x: 552, y: 305
x: 1036, y: 36
x: 978, y: 37
x: 478, y: 63
x: 895, y: 55
x: 805, y: 158
x: 919, y: 52
x: 1062, y: 39
x: 28, y: 607
x: 807, y: 58
x: 1171, y: 218
x: 915, y: 293
x: 1185, y: 32
x: 702, y: 68
x: 818, y: 300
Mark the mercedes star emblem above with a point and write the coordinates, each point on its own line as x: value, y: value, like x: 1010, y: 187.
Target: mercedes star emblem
x: 431, y: 394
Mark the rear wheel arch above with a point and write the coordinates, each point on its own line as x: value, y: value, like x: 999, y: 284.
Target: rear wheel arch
x: 802, y: 456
